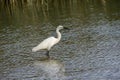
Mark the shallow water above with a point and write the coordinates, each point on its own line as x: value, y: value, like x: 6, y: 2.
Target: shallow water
x: 90, y: 50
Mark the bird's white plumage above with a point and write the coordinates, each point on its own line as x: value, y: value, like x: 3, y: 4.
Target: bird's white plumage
x: 46, y: 44
x: 49, y: 42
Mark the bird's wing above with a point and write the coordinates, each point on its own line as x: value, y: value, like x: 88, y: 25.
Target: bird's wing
x: 45, y: 44
x: 51, y: 42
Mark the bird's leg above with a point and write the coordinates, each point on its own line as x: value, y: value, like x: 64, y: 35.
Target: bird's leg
x: 47, y: 53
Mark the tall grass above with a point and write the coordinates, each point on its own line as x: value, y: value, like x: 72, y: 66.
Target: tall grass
x: 11, y: 5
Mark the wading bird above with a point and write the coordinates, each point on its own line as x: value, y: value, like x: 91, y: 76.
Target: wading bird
x: 49, y: 42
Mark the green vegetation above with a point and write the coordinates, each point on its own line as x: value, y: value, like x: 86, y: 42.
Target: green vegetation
x: 31, y: 11
x: 45, y: 4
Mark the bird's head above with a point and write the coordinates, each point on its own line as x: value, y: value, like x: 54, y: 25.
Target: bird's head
x: 61, y: 27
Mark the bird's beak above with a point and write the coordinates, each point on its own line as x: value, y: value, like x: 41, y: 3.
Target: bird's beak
x: 66, y: 28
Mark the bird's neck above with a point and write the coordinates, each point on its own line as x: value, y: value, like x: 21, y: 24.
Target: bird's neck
x: 58, y: 34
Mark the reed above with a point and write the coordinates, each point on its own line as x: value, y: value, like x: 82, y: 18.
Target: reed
x: 45, y: 5
x: 45, y: 2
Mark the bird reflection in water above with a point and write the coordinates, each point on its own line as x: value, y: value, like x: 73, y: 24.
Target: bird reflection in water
x: 50, y: 68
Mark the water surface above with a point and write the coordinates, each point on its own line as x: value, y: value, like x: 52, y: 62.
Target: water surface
x: 90, y: 50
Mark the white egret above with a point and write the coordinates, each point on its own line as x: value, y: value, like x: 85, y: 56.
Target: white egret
x: 49, y: 42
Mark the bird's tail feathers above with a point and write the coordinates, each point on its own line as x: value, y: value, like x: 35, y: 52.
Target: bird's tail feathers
x: 34, y: 49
